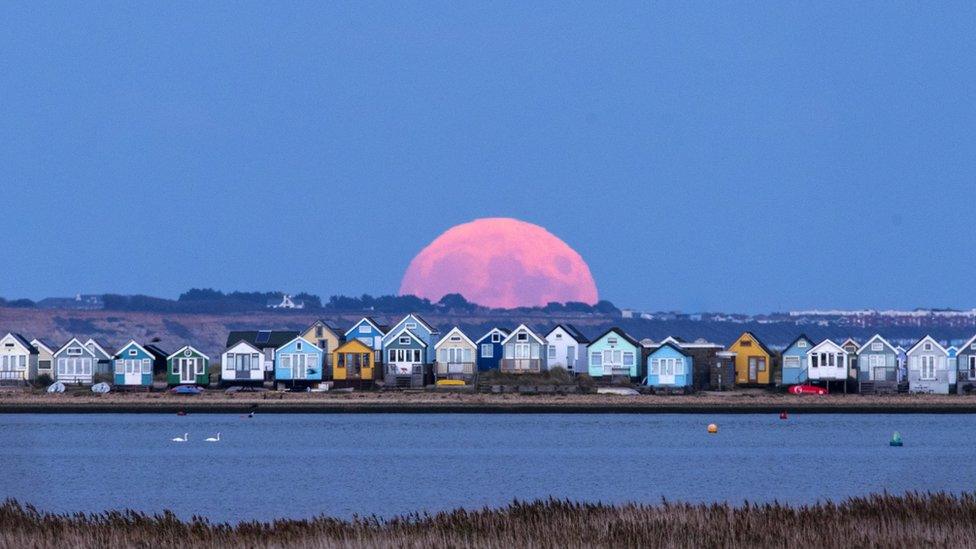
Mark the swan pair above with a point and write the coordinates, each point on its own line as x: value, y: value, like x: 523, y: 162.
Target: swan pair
x: 186, y: 437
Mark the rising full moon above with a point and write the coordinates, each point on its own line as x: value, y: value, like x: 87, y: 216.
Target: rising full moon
x: 500, y: 263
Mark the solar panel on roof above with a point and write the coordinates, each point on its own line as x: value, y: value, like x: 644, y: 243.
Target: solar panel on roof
x: 263, y: 336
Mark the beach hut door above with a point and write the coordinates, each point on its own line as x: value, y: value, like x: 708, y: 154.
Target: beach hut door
x: 753, y: 369
x: 187, y: 370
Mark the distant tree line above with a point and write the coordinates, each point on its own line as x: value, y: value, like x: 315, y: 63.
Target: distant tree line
x: 208, y: 300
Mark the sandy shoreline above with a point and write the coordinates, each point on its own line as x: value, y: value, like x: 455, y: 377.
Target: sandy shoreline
x: 433, y: 402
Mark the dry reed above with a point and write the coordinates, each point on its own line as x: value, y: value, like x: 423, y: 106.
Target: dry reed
x: 931, y: 520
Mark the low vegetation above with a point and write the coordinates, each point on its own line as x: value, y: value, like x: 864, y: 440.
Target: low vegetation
x: 934, y: 520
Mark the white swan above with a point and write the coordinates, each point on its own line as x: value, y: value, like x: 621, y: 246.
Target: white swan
x: 212, y: 439
x: 185, y: 438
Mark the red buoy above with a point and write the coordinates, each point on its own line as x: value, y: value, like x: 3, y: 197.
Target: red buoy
x: 782, y: 415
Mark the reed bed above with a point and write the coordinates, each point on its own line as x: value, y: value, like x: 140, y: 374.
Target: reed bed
x: 912, y: 520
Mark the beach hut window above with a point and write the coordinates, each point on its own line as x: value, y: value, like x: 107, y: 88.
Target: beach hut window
x: 596, y: 359
x: 877, y: 346
x: 411, y: 326
x: 791, y: 362
x: 628, y: 359
x: 133, y: 352
x: 416, y: 355
x: 801, y: 344
x: 552, y: 352
x: 405, y: 340
x: 495, y: 338
x: 655, y: 366
x: 255, y: 361
x: 928, y: 346
x: 928, y: 368
x: 298, y: 346
x: 487, y: 350
x: 146, y: 366
x: 74, y: 351
x: 746, y: 343
x: 364, y: 329
x: 522, y: 337
x: 611, y: 341
x: 286, y: 361
x: 972, y: 366
x: 455, y: 338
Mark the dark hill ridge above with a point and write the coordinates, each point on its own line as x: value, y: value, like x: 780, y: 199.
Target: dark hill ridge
x: 208, y: 332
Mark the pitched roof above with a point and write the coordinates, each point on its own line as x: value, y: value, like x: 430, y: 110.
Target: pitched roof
x: 276, y: 338
x: 879, y: 338
x: 756, y: 339
x: 23, y: 341
x: 156, y: 351
x: 966, y: 346
x: 406, y: 330
x: 930, y: 338
x: 459, y: 332
x: 620, y: 333
x: 530, y: 331
x: 797, y: 340
x: 190, y: 348
x: 572, y: 331
x: 40, y: 342
x: 504, y: 333
x: 673, y: 346
x: 379, y: 327
x: 74, y: 340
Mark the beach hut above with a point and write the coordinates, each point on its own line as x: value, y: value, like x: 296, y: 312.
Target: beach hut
x: 370, y: 332
x: 828, y: 362
x: 74, y: 363
x: 966, y: 366
x: 490, y: 349
x: 45, y: 357
x: 928, y: 367
x: 669, y: 366
x: 614, y: 355
x: 524, y: 352
x: 104, y: 359
x: 567, y: 348
x: 877, y: 366
x: 242, y: 364
x: 18, y: 359
x: 405, y: 358
x: 325, y: 337
x: 353, y: 365
x: 753, y: 360
x: 188, y: 366
x: 267, y: 341
x: 135, y: 364
x: 795, y: 360
x: 455, y: 357
x: 299, y: 363
x: 420, y: 329
x: 851, y: 346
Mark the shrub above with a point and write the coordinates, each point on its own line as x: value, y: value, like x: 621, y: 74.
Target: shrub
x: 43, y: 380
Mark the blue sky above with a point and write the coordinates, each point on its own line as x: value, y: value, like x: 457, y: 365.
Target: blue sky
x: 719, y: 156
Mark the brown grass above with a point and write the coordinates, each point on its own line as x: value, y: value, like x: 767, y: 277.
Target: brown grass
x: 912, y: 520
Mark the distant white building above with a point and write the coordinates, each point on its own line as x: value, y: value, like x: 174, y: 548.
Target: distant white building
x: 286, y: 302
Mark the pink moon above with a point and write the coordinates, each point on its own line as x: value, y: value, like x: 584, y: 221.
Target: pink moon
x: 501, y: 263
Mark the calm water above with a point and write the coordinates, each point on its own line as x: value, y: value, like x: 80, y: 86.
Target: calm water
x: 301, y: 465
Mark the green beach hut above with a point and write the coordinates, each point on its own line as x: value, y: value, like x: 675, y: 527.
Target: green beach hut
x: 188, y: 366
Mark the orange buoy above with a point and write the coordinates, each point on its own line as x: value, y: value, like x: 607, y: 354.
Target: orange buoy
x: 712, y: 428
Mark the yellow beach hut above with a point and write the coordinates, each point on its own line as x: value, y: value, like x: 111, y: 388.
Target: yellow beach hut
x: 753, y: 361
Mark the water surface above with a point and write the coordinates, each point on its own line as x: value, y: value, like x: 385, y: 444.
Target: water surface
x: 300, y: 465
